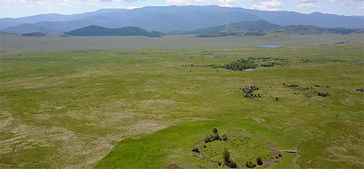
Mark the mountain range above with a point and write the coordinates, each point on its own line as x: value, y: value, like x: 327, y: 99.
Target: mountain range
x: 172, y: 18
x: 261, y: 27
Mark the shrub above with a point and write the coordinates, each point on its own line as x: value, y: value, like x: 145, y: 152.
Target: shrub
x: 254, y: 87
x: 259, y: 161
x: 224, y: 137
x: 249, y: 164
x: 232, y: 164
x: 208, y: 138
x: 249, y: 91
x: 323, y: 94
x: 196, y: 150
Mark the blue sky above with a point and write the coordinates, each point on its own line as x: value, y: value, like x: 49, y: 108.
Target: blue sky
x: 18, y: 8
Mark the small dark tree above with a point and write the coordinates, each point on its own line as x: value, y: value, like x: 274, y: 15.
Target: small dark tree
x: 259, y: 161
x: 215, y: 131
x: 226, y: 156
x: 215, y: 135
x: 227, y: 161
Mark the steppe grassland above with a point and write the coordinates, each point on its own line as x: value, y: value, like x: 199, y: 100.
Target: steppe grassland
x: 69, y: 109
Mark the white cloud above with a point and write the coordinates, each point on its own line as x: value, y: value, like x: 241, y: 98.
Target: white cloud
x: 361, y: 7
x: 268, y: 5
x: 348, y: 2
x: 228, y: 2
x: 358, y: 3
x: 306, y: 3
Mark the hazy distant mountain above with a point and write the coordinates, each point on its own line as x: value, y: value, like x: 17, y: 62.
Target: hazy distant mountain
x: 173, y: 18
x: 102, y: 31
x: 239, y: 28
x: 261, y: 27
x: 9, y: 22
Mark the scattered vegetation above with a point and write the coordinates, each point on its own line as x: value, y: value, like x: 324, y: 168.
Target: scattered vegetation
x: 308, y: 91
x: 306, y: 60
x: 250, y: 91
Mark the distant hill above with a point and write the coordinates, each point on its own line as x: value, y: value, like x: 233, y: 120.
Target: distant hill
x: 35, y: 34
x: 102, y: 31
x: 261, y: 27
x: 240, y: 28
x: 308, y: 29
x: 172, y: 18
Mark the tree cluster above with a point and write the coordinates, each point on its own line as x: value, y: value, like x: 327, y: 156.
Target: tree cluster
x: 240, y: 65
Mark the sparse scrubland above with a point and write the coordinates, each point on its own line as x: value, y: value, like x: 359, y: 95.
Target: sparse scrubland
x: 300, y: 107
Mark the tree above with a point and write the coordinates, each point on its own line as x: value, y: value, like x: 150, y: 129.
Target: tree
x: 215, y: 131
x: 227, y: 161
x: 226, y: 156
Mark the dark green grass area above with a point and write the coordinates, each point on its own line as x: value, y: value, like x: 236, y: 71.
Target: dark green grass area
x: 144, y: 109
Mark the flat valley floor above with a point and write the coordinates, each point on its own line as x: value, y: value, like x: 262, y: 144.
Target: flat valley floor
x: 133, y: 102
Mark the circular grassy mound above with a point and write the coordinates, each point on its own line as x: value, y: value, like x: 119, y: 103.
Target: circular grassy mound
x: 244, y: 151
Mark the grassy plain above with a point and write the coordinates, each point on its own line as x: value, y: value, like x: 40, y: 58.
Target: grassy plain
x: 133, y: 104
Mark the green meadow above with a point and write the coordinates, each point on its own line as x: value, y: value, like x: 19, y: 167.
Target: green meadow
x: 135, y: 104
